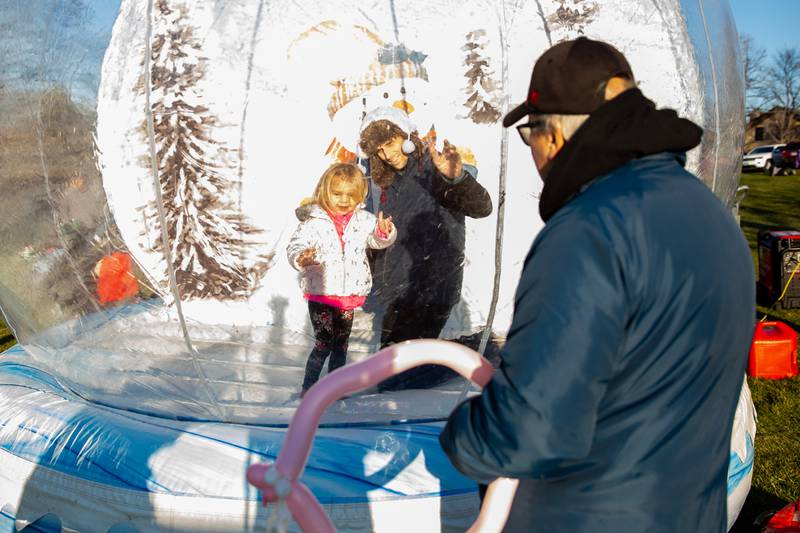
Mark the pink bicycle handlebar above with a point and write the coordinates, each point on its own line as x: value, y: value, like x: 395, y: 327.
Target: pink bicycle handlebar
x: 280, y: 480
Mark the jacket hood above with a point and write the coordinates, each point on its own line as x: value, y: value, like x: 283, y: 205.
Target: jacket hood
x: 303, y: 212
x: 625, y: 128
x: 313, y: 210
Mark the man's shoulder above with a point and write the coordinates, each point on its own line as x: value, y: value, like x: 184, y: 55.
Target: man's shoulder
x: 668, y: 165
x: 608, y: 211
x: 633, y: 186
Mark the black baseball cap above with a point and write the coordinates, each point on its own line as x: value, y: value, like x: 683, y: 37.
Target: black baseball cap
x: 566, y: 78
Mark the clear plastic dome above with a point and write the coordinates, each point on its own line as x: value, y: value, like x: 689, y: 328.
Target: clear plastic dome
x: 154, y: 153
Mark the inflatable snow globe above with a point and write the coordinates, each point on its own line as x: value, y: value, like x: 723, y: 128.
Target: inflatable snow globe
x: 158, y: 160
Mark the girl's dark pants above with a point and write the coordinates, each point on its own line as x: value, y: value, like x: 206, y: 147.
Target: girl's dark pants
x: 331, y: 330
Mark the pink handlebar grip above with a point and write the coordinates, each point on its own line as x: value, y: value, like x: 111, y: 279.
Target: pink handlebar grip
x: 282, y: 476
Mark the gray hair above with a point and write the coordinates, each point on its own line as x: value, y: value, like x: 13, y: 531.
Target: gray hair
x: 569, y: 123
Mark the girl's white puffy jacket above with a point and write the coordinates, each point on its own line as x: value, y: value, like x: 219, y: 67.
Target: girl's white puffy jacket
x: 339, y: 272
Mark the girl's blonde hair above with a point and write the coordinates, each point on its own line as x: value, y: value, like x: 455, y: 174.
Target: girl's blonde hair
x: 346, y: 172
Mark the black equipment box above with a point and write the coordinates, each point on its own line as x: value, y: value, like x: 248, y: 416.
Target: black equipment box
x: 778, y: 258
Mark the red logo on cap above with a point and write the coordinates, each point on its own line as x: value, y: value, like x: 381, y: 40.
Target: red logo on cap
x: 533, y: 97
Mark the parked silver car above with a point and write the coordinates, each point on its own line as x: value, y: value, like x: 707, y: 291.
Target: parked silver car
x: 762, y: 158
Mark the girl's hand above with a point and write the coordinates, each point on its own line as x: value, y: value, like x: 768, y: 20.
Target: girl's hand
x: 448, y: 162
x: 307, y: 257
x: 385, y: 225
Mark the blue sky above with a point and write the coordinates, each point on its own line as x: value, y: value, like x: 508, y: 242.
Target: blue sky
x: 773, y: 24
x: 105, y: 12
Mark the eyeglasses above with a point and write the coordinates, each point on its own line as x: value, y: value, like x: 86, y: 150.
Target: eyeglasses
x: 527, y: 129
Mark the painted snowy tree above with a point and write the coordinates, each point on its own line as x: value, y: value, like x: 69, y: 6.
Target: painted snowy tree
x: 209, y: 238
x: 483, y: 100
x: 573, y: 18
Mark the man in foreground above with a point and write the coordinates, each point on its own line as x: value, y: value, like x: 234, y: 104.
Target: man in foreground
x: 615, y: 398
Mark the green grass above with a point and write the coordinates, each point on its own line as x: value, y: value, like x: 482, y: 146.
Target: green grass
x: 6, y: 338
x: 773, y: 202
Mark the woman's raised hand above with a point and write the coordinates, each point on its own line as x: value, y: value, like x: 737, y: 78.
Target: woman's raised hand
x: 448, y: 162
x: 385, y: 225
x: 307, y: 257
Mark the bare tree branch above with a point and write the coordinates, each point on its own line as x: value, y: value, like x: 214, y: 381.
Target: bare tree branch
x: 45, y: 43
x: 754, y: 59
x: 781, y: 91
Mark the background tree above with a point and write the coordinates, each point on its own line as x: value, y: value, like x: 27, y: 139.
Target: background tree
x: 209, y: 238
x: 781, y: 89
x: 754, y: 59
x: 50, y: 55
x: 45, y: 43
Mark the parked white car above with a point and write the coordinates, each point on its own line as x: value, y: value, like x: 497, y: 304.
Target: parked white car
x: 761, y: 158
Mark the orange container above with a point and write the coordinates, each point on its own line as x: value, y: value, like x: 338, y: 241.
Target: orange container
x: 773, y: 354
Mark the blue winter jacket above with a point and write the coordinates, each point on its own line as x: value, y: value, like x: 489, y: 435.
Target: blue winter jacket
x: 616, y: 394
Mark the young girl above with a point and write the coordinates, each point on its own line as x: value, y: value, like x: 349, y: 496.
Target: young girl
x: 329, y: 249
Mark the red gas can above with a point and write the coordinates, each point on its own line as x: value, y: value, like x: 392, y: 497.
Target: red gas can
x: 787, y: 520
x: 773, y: 354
